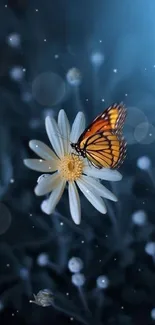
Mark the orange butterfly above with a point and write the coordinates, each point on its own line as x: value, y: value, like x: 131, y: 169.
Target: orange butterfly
x: 102, y: 142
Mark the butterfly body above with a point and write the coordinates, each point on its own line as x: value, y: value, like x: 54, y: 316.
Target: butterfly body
x: 102, y: 142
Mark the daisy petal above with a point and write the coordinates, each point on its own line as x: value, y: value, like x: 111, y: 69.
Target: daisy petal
x: 74, y: 203
x: 49, y: 205
x: 41, y: 165
x: 54, y: 135
x: 93, y: 198
x: 42, y: 150
x: 77, y: 127
x: 47, y: 184
x: 104, y: 173
x: 64, y: 127
x: 100, y: 190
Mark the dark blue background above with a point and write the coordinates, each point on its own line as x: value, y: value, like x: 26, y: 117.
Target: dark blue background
x: 57, y: 36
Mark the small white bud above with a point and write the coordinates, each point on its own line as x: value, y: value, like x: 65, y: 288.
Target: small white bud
x: 13, y: 40
x: 139, y: 217
x: 75, y: 264
x: 144, y: 163
x: 78, y: 279
x: 42, y: 259
x: 17, y: 73
x: 74, y: 77
x: 150, y: 248
x: 102, y: 282
x: 97, y: 58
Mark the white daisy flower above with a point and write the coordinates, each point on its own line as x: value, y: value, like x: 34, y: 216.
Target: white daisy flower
x: 66, y: 168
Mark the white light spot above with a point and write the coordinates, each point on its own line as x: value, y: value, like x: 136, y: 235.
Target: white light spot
x: 150, y: 248
x: 56, y: 56
x: 82, y: 241
x: 36, y: 9
x: 86, y: 99
x: 45, y: 39
x: 61, y: 223
x: 42, y: 259
x: 100, y: 41
x: 8, y: 265
x: 144, y: 163
x: 12, y: 180
x: 102, y: 282
x: 14, y: 40
x: 115, y: 70
x: 102, y: 100
x: 16, y: 73
x: 97, y: 58
x: 139, y: 217
x: 67, y: 293
x: 126, y: 95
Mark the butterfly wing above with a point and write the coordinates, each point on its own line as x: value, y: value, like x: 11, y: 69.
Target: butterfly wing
x: 102, y: 141
x: 111, y: 119
x: 105, y: 149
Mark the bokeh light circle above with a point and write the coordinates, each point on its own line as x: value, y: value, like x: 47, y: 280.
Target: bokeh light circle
x: 74, y: 77
x: 14, y: 40
x: 97, y: 58
x: 48, y: 89
x: 135, y: 117
x: 75, y: 264
x: 5, y: 218
x: 145, y: 133
x: 144, y: 163
x: 16, y: 73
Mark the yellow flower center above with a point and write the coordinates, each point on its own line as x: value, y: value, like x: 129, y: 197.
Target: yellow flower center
x: 70, y: 167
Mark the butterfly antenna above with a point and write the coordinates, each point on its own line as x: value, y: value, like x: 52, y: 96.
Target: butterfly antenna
x: 61, y: 136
